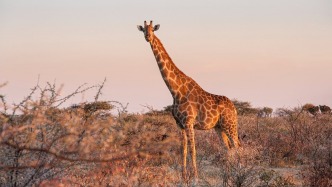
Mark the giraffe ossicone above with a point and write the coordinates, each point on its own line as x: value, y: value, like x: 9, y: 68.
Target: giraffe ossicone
x: 193, y: 107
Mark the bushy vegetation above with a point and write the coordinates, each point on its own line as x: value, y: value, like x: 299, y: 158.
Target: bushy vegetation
x: 99, y: 143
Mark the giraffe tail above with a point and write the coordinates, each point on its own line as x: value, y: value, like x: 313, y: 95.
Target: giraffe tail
x: 238, y: 142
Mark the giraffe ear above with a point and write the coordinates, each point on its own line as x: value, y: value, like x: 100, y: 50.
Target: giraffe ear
x: 140, y: 28
x: 156, y: 27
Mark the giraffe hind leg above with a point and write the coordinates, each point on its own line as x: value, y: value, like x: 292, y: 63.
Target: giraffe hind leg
x: 233, y: 134
x: 223, y: 137
x: 231, y: 142
x: 234, y: 138
x: 229, y: 138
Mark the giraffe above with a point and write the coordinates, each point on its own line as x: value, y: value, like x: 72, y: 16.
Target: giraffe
x: 193, y: 108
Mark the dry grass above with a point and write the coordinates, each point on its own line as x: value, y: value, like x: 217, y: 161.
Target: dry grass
x: 42, y: 144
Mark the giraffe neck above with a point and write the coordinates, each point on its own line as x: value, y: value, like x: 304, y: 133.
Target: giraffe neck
x: 172, y: 75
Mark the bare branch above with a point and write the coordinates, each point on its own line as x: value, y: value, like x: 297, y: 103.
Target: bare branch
x: 25, y: 100
x: 3, y: 84
x: 122, y: 108
x: 4, y: 103
x: 79, y: 90
x: 99, y: 90
x: 59, y: 156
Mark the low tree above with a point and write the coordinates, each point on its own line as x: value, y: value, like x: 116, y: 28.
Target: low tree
x: 265, y: 112
x: 244, y: 108
x: 325, y: 109
x: 310, y: 108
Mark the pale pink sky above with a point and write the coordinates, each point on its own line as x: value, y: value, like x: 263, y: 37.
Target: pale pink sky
x: 271, y: 53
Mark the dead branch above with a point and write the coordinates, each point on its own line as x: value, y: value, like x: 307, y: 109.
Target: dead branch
x: 79, y: 90
x: 101, y: 86
x: 3, y: 84
x: 141, y: 153
x: 25, y: 100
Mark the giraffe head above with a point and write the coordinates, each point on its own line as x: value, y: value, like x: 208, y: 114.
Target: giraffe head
x: 148, y: 30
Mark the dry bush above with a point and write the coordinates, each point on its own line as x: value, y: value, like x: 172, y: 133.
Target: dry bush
x: 152, y: 139
x: 271, y: 178
x: 295, y: 139
x: 83, y: 145
x: 240, y: 168
x: 319, y: 170
x: 219, y: 167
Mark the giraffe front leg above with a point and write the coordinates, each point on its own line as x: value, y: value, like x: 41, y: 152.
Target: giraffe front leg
x: 191, y: 137
x: 184, y: 155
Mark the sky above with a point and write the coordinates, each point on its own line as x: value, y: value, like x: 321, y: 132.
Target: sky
x: 270, y: 53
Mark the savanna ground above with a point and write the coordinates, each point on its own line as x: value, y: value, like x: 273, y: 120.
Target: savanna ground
x: 99, y: 143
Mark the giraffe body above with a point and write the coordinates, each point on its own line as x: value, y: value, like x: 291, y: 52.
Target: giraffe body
x: 193, y: 108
